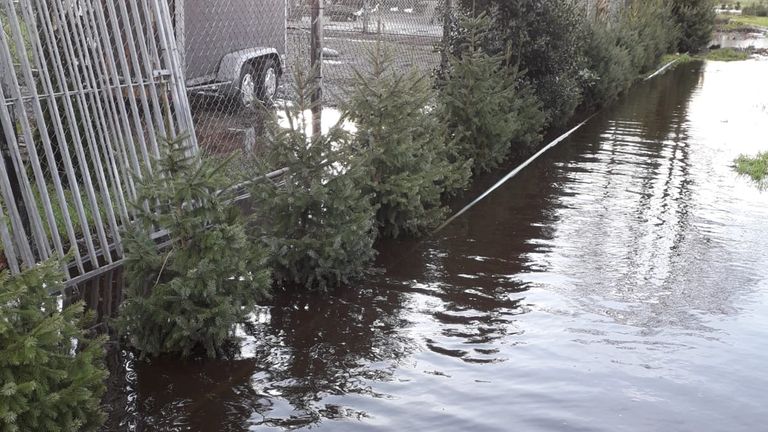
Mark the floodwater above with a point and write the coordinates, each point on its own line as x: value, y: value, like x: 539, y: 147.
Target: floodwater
x: 737, y: 40
x: 619, y: 283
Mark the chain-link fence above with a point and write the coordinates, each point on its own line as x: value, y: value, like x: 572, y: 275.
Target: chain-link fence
x: 279, y: 33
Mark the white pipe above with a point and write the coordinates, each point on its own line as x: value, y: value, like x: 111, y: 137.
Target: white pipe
x: 513, y: 173
x: 662, y: 69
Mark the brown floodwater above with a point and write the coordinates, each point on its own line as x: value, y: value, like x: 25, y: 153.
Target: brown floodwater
x: 619, y: 283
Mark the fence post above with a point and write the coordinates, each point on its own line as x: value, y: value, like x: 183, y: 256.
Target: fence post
x: 316, y: 64
x: 366, y: 16
x: 447, y: 19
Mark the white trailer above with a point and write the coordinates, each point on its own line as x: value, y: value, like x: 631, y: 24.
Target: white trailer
x: 232, y: 48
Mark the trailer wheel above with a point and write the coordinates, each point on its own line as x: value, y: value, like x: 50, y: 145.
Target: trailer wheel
x: 268, y: 81
x: 246, y: 95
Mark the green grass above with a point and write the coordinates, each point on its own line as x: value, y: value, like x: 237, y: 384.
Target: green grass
x: 752, y: 21
x: 726, y: 55
x: 681, y: 59
x: 754, y: 167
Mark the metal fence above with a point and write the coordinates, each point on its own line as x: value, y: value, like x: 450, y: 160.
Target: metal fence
x: 88, y: 90
x: 90, y: 87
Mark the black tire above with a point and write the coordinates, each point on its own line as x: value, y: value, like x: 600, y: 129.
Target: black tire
x: 247, y: 87
x: 268, y: 81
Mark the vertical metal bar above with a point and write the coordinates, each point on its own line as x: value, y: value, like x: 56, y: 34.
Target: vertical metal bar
x: 119, y: 165
x: 9, y: 250
x: 72, y: 58
x: 54, y: 57
x: 178, y: 84
x: 157, y: 112
x: 133, y: 54
x: 129, y: 150
x: 57, y: 60
x: 447, y: 18
x: 19, y: 232
x: 128, y: 77
x: 316, y: 65
x: 180, y: 30
x: 36, y: 226
x: 42, y: 127
x: 101, y: 135
x: 366, y: 16
x: 165, y: 101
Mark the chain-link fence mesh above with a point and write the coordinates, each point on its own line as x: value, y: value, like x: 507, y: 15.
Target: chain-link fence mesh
x: 210, y: 31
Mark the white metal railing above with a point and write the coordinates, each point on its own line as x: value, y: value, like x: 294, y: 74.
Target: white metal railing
x: 89, y: 87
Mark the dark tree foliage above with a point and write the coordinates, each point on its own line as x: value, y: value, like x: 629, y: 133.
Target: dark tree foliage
x: 51, y: 370
x: 412, y: 164
x: 547, y: 41
x: 188, y: 296
x: 487, y: 108
x: 696, y: 21
x: 318, y: 223
x: 619, y: 52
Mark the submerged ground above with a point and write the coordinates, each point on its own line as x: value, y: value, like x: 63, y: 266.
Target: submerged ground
x: 619, y: 283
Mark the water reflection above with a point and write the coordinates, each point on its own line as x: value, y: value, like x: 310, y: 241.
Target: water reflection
x: 619, y: 283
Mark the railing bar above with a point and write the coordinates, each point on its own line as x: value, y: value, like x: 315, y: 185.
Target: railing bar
x: 171, y: 54
x: 144, y: 51
x: 133, y: 56
x: 69, y: 107
x: 10, y: 102
x: 129, y: 149
x: 53, y: 107
x: 156, y: 59
x: 90, y: 134
x: 101, y: 135
x: 121, y: 175
x: 8, y: 247
x: 9, y: 128
x: 139, y: 130
x: 46, y: 141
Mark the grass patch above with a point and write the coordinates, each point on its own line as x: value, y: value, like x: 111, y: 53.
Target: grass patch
x: 680, y: 58
x: 754, y: 167
x: 726, y: 55
x: 754, y: 21
x: 741, y: 23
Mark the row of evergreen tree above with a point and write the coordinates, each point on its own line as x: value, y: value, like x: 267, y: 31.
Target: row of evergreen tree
x: 512, y: 72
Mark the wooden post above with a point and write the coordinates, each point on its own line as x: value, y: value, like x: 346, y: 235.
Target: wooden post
x: 316, y: 63
x: 366, y: 16
x: 447, y: 6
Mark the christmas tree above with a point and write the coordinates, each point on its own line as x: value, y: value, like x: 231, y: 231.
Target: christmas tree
x: 486, y: 106
x: 412, y: 163
x: 317, y: 223
x: 188, y: 296
x: 51, y: 371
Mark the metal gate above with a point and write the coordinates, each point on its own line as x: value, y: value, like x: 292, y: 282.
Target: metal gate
x: 89, y: 88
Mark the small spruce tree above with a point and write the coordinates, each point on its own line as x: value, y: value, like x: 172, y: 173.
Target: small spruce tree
x: 51, y: 371
x: 696, y: 20
x: 486, y: 106
x: 317, y: 223
x: 412, y: 162
x: 188, y: 296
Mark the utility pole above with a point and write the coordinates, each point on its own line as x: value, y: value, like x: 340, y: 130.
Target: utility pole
x: 366, y: 16
x: 316, y: 63
x: 447, y: 6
